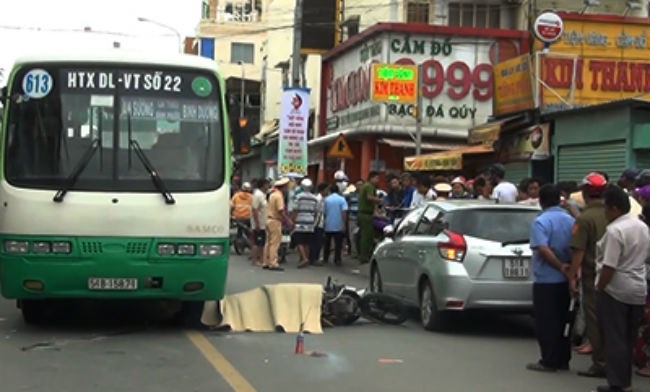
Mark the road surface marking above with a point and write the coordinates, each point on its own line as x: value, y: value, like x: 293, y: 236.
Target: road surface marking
x: 220, y: 363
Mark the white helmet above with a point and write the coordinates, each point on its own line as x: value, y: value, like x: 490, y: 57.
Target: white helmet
x: 246, y: 186
x: 340, y: 176
x: 306, y: 183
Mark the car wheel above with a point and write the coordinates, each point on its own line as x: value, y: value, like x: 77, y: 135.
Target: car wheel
x: 432, y: 318
x: 375, y: 279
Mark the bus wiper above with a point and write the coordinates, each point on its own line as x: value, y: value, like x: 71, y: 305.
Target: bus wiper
x: 74, y: 176
x: 155, y: 178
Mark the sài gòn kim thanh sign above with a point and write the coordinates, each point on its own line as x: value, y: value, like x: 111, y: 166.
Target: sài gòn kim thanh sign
x: 394, y: 83
x: 292, y: 140
x: 611, y: 61
x: 513, y: 86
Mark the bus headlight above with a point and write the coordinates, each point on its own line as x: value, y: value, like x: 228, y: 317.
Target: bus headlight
x: 211, y: 249
x: 186, y: 249
x: 61, y: 247
x: 41, y: 247
x: 16, y: 246
x: 166, y: 249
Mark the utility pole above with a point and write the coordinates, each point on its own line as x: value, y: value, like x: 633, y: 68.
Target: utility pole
x: 418, y: 114
x: 242, y: 91
x: 296, y: 58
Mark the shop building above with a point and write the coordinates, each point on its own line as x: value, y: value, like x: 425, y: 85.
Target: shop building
x: 607, y: 137
x: 457, y: 91
x: 598, y: 122
x: 583, y: 98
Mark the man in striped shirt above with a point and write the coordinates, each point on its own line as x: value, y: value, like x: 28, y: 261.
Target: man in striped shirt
x: 304, y: 216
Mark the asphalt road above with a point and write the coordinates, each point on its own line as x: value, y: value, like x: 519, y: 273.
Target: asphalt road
x: 134, y: 348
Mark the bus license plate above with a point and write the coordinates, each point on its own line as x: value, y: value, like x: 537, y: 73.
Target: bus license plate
x: 516, y: 268
x: 112, y: 283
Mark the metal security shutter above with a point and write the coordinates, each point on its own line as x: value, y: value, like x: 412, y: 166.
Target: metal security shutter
x: 577, y: 160
x: 517, y: 171
x: 643, y: 159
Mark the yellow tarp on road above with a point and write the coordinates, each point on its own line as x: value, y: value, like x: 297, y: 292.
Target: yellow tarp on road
x: 269, y: 308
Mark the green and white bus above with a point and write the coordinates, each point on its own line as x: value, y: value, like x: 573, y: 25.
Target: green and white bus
x: 114, y: 180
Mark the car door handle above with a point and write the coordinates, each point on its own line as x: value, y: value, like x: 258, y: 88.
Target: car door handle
x: 422, y: 252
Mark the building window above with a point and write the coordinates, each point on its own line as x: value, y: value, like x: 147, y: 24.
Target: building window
x: 240, y: 11
x: 205, y: 10
x: 243, y: 52
x: 474, y: 15
x: 418, y: 11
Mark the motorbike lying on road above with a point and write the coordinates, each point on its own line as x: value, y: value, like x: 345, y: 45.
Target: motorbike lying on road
x: 343, y: 305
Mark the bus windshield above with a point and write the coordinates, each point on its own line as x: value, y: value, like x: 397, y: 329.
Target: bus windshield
x: 59, y: 112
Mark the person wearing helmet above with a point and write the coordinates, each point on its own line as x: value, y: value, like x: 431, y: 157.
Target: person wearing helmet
x: 504, y: 191
x: 588, y: 229
x: 341, y: 180
x: 458, y: 189
x: 241, y: 203
x: 304, y: 217
x: 628, y: 178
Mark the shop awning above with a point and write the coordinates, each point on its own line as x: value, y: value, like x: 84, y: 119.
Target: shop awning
x: 489, y: 132
x: 268, y: 131
x: 402, y: 143
x: 445, y: 160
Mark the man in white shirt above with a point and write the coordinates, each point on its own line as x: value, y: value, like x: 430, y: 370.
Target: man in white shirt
x: 423, y: 193
x: 504, y: 191
x: 258, y: 220
x: 621, y: 289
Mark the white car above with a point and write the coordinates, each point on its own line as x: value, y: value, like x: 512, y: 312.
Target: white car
x: 455, y: 255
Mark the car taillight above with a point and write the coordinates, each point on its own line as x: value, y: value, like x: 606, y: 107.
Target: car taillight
x: 454, y: 249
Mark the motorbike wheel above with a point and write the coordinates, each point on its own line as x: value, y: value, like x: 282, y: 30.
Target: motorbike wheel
x: 239, y: 246
x: 343, y: 311
x: 282, y: 254
x: 383, y: 308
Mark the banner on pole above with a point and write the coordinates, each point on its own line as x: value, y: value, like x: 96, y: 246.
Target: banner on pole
x: 292, y: 142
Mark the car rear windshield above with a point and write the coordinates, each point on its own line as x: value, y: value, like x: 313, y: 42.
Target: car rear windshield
x: 504, y: 225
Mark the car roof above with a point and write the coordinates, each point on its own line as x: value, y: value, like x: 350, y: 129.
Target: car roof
x: 449, y: 205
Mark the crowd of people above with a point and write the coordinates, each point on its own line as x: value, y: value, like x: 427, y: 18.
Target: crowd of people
x: 591, y: 242
x: 597, y: 250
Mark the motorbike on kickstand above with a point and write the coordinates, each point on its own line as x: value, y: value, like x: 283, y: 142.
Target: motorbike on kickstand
x: 343, y: 305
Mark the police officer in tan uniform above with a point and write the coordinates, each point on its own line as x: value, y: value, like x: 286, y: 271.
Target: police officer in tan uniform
x: 588, y: 229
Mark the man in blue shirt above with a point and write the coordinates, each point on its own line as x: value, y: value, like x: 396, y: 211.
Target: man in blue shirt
x: 549, y: 239
x: 335, y: 210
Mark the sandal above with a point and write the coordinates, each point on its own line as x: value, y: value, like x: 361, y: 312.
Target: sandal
x: 644, y: 371
x: 303, y: 264
x: 585, y: 349
x: 276, y: 268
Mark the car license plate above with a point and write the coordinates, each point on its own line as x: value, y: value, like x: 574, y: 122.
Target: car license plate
x: 286, y: 238
x: 516, y: 268
x: 112, y: 283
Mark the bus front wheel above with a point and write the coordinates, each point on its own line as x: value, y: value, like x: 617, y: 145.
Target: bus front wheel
x: 34, y: 311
